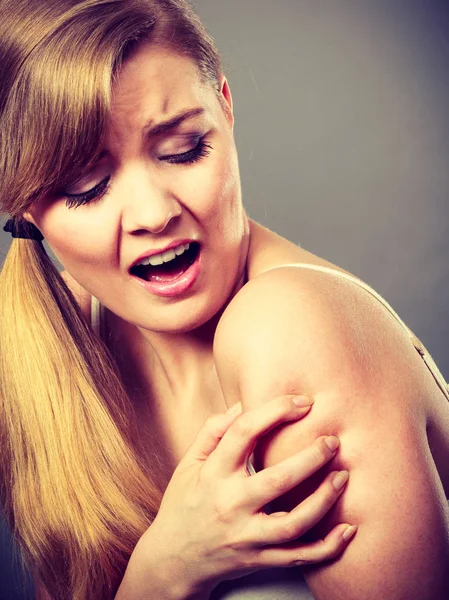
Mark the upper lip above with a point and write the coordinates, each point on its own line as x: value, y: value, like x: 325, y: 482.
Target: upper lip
x: 149, y: 253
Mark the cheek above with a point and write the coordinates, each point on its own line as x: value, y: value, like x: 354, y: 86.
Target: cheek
x: 228, y: 207
x: 71, y: 250
x: 213, y: 191
x: 79, y: 239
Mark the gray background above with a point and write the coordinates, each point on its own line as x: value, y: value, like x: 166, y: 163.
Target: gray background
x: 343, y: 138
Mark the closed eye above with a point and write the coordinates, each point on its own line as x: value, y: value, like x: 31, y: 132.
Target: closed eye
x: 201, y: 150
x: 74, y: 200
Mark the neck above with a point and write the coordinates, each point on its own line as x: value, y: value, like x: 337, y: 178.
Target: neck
x: 174, y: 366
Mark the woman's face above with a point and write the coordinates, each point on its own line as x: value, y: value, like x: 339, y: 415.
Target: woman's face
x: 152, y: 190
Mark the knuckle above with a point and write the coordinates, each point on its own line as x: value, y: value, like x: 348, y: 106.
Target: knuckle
x: 206, y: 473
x: 279, y: 481
x: 324, y: 452
x: 244, y: 427
x: 327, y: 496
x: 243, y: 553
x: 328, y: 550
x: 214, y: 425
x: 222, y: 512
x: 228, y: 503
x: 333, y: 552
x: 301, y: 559
x: 284, y: 404
x: 210, y: 422
x: 322, y: 550
x: 249, y: 561
x: 247, y: 489
x: 287, y: 530
x: 225, y: 510
x: 288, y: 405
x: 280, y: 408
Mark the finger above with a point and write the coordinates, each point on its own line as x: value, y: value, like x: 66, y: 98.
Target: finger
x: 239, y: 440
x: 310, y: 512
x: 272, y: 482
x: 278, y: 528
x: 211, y: 433
x: 296, y: 554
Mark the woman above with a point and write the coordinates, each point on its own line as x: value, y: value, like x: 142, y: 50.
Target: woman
x: 124, y: 160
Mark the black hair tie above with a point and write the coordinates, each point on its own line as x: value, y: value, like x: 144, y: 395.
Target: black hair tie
x: 20, y: 228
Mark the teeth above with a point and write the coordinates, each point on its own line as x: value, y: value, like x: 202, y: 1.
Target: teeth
x: 180, y: 249
x: 158, y: 259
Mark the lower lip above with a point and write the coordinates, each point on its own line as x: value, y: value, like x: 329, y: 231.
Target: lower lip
x: 176, y: 287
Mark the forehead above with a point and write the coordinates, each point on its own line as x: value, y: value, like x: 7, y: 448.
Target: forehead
x: 153, y: 84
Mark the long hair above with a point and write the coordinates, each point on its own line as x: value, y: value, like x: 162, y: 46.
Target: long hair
x: 75, y: 489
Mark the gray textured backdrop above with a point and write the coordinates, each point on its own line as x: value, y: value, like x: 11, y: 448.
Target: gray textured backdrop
x: 342, y: 129
x: 343, y: 133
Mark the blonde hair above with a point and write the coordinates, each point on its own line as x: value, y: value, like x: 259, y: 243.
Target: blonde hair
x: 75, y: 488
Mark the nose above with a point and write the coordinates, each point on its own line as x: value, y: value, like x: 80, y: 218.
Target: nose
x: 148, y: 205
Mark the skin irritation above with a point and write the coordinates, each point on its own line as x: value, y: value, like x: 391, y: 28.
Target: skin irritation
x: 149, y: 203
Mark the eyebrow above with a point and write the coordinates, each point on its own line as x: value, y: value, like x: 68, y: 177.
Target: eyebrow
x: 162, y: 127
x: 172, y: 123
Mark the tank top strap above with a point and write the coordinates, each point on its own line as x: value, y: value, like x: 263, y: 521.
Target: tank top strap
x: 419, y: 346
x: 96, y: 316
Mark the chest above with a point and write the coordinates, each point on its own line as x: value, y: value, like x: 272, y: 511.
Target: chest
x: 166, y: 432
x: 171, y: 405
x: 167, y: 420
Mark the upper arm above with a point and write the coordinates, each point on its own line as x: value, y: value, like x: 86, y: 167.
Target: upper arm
x: 290, y: 332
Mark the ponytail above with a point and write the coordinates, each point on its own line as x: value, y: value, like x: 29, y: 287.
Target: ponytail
x: 75, y: 491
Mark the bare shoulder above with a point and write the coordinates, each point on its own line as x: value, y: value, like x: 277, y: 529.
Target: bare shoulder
x: 326, y: 334
x: 82, y: 296
x: 300, y: 331
x: 323, y: 315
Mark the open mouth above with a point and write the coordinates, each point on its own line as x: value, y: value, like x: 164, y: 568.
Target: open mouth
x: 170, y: 270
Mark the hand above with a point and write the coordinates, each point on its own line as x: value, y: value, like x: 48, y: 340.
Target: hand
x: 211, y: 525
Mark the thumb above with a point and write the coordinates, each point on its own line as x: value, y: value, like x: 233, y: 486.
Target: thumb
x: 210, y: 434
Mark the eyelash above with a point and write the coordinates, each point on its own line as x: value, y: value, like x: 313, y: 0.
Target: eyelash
x: 201, y: 150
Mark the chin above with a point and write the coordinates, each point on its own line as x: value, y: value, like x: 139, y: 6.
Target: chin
x: 184, y: 320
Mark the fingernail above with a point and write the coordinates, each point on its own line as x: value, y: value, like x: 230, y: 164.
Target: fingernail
x: 349, y: 533
x: 234, y: 409
x: 303, y: 401
x: 332, y: 442
x: 340, y: 479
